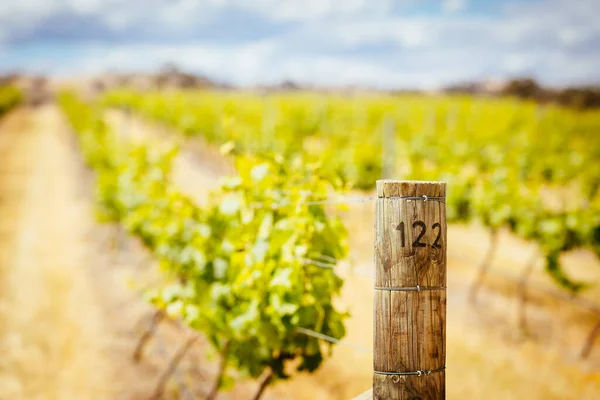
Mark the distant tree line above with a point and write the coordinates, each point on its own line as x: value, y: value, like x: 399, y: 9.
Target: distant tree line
x: 577, y: 97
x: 35, y: 88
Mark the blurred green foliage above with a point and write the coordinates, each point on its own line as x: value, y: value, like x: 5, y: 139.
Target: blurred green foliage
x: 236, y: 267
x: 10, y: 96
x: 508, y: 163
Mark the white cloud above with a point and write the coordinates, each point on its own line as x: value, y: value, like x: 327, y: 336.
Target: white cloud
x: 518, y: 63
x: 454, y: 5
x: 24, y: 13
x: 321, y: 41
x: 294, y: 10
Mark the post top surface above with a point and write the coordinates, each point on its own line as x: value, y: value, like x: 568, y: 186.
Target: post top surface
x: 398, y: 188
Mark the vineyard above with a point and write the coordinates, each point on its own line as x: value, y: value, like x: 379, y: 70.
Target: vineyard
x: 228, y: 261
x: 507, y: 163
x: 9, y: 97
x: 263, y: 269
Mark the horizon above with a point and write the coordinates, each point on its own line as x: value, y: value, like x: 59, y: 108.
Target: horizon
x: 380, y: 44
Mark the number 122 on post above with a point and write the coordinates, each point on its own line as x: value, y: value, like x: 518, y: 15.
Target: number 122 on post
x: 422, y: 227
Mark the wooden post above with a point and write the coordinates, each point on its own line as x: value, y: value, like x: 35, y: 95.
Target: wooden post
x: 410, y: 296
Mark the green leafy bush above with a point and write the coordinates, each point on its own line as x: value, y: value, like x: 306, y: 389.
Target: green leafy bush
x: 235, y: 268
x: 10, y: 96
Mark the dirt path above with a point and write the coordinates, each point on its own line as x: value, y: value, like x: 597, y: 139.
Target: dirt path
x: 67, y: 317
x: 49, y: 319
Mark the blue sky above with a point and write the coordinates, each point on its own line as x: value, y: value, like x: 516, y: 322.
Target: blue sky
x: 384, y: 43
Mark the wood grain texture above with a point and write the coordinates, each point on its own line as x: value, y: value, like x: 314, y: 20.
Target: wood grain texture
x: 410, y: 326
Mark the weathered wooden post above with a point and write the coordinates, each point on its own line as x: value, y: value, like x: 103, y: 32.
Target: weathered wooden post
x: 410, y: 291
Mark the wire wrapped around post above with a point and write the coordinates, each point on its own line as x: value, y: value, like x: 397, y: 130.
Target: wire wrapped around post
x: 410, y: 291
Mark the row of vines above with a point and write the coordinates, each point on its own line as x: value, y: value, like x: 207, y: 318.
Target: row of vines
x: 234, y: 268
x: 509, y: 164
x: 10, y: 96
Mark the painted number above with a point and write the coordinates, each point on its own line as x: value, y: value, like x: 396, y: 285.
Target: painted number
x: 417, y: 242
x: 436, y: 243
x: 422, y: 229
x: 400, y: 228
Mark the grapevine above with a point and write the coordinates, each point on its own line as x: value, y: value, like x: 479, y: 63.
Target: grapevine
x: 10, y: 96
x: 509, y: 164
x: 234, y: 268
